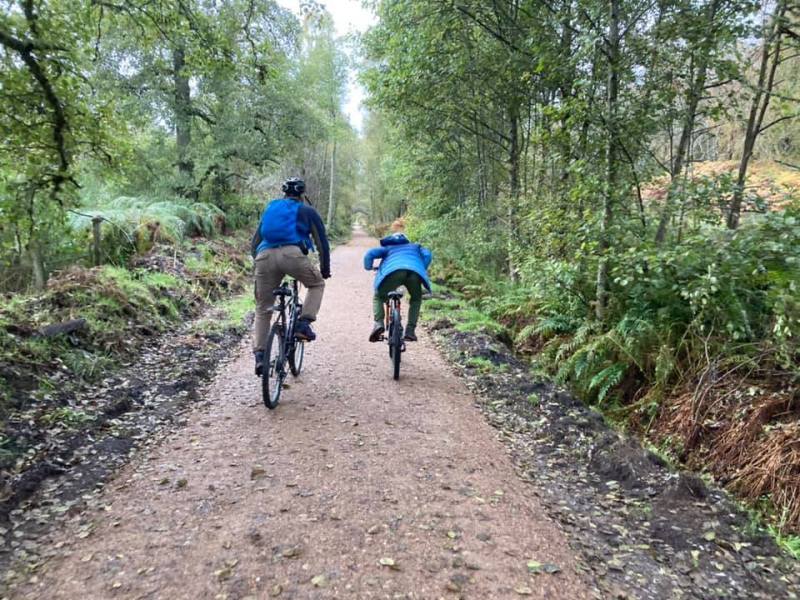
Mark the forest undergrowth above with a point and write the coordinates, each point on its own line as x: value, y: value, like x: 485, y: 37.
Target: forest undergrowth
x: 90, y: 321
x: 696, y: 354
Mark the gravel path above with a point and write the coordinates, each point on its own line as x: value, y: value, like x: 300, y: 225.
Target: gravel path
x: 356, y: 486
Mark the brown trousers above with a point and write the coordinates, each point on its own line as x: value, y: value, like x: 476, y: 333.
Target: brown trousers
x: 271, y: 267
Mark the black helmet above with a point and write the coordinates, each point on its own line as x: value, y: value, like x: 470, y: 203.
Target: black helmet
x: 294, y: 186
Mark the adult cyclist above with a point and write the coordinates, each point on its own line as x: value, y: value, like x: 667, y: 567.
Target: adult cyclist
x: 280, y: 247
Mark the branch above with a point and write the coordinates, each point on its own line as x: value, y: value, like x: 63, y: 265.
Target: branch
x: 25, y: 51
x: 196, y: 112
x: 776, y: 121
x: 785, y: 164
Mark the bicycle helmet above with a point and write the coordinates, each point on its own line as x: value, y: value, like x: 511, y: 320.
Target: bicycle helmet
x: 396, y: 239
x: 294, y: 186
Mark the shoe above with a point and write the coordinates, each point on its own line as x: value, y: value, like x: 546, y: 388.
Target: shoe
x: 410, y: 335
x: 377, y: 332
x: 259, y: 356
x: 303, y: 331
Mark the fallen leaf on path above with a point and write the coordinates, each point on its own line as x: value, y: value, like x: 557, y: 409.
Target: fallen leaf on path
x: 534, y: 566
x: 293, y: 552
x: 523, y: 590
x: 389, y: 562
x: 319, y: 581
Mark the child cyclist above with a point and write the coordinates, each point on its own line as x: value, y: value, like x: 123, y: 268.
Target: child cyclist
x: 403, y: 263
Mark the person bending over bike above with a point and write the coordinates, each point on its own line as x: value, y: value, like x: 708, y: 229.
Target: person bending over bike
x: 280, y: 247
x: 402, y: 264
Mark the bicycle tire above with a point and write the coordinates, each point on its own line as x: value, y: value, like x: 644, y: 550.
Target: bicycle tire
x: 396, y: 343
x: 296, y: 357
x: 274, y: 368
x: 295, y: 349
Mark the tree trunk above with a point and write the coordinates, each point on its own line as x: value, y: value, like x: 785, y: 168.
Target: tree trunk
x: 611, y: 161
x: 513, y: 172
x: 770, y: 59
x: 96, y: 239
x: 183, y: 119
x: 37, y: 265
x: 331, y: 198
x: 693, y: 96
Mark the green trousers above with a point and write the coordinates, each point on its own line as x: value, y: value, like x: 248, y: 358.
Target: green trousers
x: 408, y: 279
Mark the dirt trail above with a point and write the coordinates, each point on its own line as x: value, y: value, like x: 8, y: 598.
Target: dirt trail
x: 305, y: 501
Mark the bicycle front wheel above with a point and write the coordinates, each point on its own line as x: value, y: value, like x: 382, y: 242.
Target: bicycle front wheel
x: 274, y: 368
x: 396, y: 343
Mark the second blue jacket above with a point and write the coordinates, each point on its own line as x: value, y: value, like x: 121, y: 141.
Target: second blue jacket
x: 396, y: 253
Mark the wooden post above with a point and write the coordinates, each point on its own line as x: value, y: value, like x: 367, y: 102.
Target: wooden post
x: 96, y: 239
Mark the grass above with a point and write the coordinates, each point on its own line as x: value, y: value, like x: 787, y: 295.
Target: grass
x: 451, y: 304
x: 485, y: 365
x: 237, y: 308
x: 788, y: 543
x: 472, y: 320
x: 232, y: 314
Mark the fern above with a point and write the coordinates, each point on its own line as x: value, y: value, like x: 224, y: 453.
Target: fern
x: 607, y: 379
x: 554, y: 324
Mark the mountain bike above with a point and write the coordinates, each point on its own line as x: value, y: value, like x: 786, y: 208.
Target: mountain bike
x: 394, y: 331
x: 283, y: 348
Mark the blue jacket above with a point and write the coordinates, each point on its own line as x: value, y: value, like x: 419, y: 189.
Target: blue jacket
x: 288, y: 222
x: 396, y: 253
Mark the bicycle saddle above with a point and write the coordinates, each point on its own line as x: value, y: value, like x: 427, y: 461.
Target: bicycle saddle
x: 393, y: 295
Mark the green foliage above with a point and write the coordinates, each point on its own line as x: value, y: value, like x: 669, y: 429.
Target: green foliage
x: 484, y: 365
x: 475, y: 320
x: 132, y: 225
x: 182, y: 131
x: 671, y: 308
x: 237, y: 308
x: 65, y: 416
x: 789, y: 543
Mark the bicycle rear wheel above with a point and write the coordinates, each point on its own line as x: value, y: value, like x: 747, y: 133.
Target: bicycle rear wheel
x: 274, y: 368
x: 396, y: 343
x: 296, y: 357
